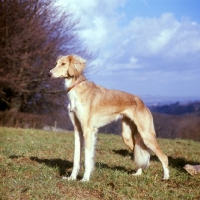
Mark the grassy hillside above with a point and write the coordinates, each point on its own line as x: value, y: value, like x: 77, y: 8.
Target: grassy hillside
x: 32, y: 164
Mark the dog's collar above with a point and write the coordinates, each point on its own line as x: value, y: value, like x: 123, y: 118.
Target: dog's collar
x: 69, y: 88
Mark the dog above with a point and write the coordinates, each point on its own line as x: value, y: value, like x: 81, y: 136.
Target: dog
x: 92, y: 106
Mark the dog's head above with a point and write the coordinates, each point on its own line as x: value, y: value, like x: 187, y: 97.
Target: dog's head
x: 70, y: 66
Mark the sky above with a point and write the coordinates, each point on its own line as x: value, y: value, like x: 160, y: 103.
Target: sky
x: 144, y: 47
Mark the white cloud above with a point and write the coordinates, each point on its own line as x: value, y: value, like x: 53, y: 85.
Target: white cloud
x: 144, y: 50
x: 162, y: 40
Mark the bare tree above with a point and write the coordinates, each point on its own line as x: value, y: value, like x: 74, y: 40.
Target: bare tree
x: 32, y: 34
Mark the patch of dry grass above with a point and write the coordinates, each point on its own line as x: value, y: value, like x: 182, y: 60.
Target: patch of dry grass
x: 32, y: 163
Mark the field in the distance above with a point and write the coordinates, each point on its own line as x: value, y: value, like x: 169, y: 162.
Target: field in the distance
x: 32, y: 163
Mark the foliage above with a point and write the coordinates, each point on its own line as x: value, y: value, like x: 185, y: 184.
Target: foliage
x: 33, y: 162
x: 28, y: 120
x: 182, y: 126
x: 32, y: 34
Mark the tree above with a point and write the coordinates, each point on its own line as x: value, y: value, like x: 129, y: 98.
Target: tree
x: 32, y: 34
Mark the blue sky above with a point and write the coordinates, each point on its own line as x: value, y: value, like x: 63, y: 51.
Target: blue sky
x: 155, y: 8
x: 145, y: 47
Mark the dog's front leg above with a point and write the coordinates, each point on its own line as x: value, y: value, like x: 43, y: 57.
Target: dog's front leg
x: 77, y: 155
x: 78, y: 144
x: 89, y: 138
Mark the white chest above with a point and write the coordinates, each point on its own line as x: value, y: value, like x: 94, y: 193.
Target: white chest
x: 74, y: 104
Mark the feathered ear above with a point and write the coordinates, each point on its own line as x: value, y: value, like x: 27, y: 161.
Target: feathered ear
x: 76, y: 65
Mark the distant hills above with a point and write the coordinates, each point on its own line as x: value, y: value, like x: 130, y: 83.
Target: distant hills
x: 151, y: 100
x: 175, y: 120
x: 177, y: 108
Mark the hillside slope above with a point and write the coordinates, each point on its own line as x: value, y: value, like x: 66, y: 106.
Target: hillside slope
x: 32, y: 163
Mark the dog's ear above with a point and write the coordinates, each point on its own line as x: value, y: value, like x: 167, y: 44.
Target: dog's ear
x: 76, y: 65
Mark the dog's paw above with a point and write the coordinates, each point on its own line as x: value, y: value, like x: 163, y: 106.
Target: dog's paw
x: 165, y: 177
x: 84, y: 180
x: 166, y: 174
x: 138, y: 172
x: 71, y: 178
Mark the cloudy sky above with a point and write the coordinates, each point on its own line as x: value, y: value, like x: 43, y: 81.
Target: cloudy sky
x: 145, y: 47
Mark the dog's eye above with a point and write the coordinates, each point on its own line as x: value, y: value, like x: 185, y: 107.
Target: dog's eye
x: 63, y: 64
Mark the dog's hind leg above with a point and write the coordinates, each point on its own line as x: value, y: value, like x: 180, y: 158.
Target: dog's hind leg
x: 141, y: 154
x: 151, y: 143
x: 128, y: 129
x: 132, y: 139
x: 144, y: 123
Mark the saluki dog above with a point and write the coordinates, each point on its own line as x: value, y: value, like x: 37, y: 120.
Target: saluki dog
x: 92, y: 106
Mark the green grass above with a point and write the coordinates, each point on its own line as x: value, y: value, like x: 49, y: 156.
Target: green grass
x: 32, y: 163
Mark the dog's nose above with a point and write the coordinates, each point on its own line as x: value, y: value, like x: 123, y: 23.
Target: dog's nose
x: 50, y: 74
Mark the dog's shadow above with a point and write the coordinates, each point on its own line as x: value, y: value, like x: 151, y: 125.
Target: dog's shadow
x: 62, y: 165
x: 65, y: 165
x: 177, y: 163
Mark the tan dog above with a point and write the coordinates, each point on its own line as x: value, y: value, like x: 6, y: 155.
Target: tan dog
x: 92, y: 106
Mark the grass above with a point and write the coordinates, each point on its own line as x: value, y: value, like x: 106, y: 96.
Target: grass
x: 32, y: 163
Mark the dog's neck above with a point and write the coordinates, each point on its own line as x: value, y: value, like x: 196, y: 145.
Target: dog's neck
x: 71, y: 83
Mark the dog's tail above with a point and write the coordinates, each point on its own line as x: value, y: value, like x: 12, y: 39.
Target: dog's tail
x: 141, y: 153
